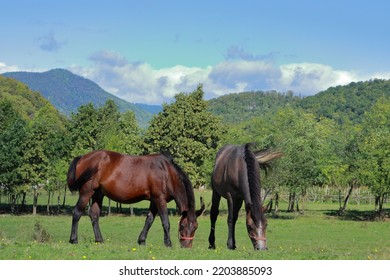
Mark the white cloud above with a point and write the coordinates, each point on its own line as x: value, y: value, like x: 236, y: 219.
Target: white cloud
x: 140, y: 82
x: 8, y: 68
x: 241, y: 75
x: 310, y: 78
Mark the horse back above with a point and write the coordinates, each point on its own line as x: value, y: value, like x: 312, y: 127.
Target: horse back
x: 129, y: 179
x: 230, y: 171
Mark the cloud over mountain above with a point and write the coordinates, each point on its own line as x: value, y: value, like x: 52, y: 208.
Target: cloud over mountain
x: 240, y: 71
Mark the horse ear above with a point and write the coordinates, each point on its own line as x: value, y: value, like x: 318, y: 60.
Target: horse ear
x: 202, y: 207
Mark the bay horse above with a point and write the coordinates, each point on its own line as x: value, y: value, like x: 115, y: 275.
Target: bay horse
x: 130, y: 179
x: 236, y: 177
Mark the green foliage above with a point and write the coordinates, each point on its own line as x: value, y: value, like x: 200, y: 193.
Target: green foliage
x: 12, y: 139
x: 24, y: 101
x: 334, y: 138
x: 104, y: 128
x: 188, y: 132
x: 374, y: 149
x: 347, y: 103
x: 235, y: 108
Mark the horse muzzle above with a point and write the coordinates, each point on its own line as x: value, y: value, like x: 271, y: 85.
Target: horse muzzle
x: 259, y: 243
x: 186, y: 242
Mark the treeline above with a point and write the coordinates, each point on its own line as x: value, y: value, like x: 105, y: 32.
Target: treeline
x: 36, y: 148
x: 319, y: 149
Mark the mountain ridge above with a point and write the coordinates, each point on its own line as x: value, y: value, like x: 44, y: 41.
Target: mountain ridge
x: 68, y: 91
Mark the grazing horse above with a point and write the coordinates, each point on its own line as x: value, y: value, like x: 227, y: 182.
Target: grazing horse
x: 130, y: 179
x: 236, y: 177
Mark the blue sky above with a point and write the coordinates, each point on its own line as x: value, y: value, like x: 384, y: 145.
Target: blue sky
x: 147, y: 51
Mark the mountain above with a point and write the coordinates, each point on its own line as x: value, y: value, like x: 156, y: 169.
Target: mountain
x: 346, y: 103
x: 67, y: 92
x: 341, y: 103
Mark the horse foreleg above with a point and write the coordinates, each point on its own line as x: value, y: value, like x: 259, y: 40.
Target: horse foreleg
x: 148, y: 223
x: 163, y: 212
x: 94, y: 213
x: 214, y: 211
x: 77, y: 213
x: 233, y: 208
x: 236, y: 209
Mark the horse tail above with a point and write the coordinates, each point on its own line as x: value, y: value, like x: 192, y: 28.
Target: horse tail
x: 265, y: 157
x: 74, y: 183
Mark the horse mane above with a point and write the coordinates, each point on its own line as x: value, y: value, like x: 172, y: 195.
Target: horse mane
x: 185, y: 181
x: 254, y: 182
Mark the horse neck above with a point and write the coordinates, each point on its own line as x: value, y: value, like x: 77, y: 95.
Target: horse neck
x: 182, y: 199
x: 253, y: 175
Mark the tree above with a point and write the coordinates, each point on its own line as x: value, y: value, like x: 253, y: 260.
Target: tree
x: 12, y: 139
x: 374, y: 146
x: 302, y: 139
x: 46, y: 144
x: 188, y: 132
x: 129, y: 134
x: 83, y: 129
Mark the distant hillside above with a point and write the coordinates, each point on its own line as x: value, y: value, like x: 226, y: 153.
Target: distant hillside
x: 238, y: 107
x: 67, y: 91
x: 341, y: 103
x: 23, y: 100
x: 347, y: 103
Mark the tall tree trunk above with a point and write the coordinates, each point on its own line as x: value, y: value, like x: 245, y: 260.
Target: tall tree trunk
x: 381, y: 200
x: 58, y: 202
x: 268, y: 208
x: 291, y: 202
x: 63, y: 202
x: 48, y: 203
x: 23, y: 201
x: 35, y: 201
x: 342, y: 208
x: 276, y: 202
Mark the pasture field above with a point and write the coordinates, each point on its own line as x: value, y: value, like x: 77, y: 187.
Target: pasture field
x: 317, y: 234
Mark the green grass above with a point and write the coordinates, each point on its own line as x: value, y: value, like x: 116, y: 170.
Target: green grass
x: 317, y: 234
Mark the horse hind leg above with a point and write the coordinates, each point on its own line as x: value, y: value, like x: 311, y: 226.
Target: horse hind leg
x: 77, y: 213
x: 94, y: 213
x: 214, y: 211
x: 148, y: 223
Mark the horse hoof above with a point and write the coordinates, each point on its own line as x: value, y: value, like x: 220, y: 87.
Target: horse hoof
x: 141, y: 243
x: 73, y: 241
x: 212, y: 247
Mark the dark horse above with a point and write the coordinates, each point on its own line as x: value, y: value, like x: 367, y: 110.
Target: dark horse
x: 236, y: 177
x: 129, y: 179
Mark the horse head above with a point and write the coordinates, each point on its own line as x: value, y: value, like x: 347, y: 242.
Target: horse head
x: 188, y: 225
x: 256, y: 226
